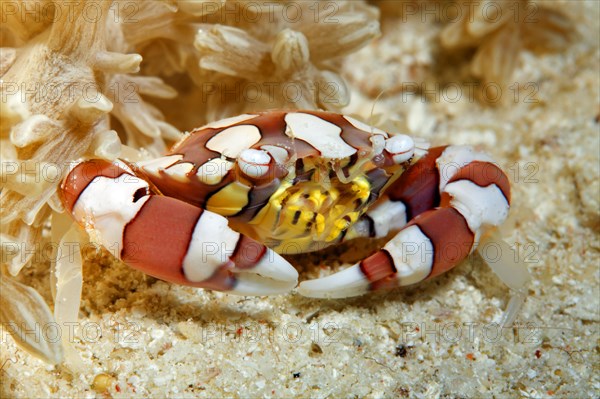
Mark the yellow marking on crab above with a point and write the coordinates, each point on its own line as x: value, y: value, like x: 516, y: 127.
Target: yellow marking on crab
x: 320, y: 222
x: 362, y: 188
x: 267, y: 217
x: 317, y: 198
x: 341, y: 225
x: 308, y: 216
x: 229, y: 200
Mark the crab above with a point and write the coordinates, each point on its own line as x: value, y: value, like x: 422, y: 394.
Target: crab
x: 230, y: 198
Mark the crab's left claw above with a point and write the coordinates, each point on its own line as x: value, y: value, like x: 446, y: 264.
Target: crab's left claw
x: 429, y: 245
x: 168, y: 238
x: 453, y: 197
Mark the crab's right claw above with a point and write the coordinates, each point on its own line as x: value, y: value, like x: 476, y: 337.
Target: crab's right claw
x: 168, y: 238
x: 180, y: 243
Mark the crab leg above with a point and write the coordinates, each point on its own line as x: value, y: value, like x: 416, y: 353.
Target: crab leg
x: 168, y: 238
x: 451, y: 197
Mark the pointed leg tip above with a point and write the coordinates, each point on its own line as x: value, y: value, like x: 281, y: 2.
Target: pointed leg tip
x: 347, y: 283
x: 272, y: 275
x: 256, y: 285
x: 274, y: 266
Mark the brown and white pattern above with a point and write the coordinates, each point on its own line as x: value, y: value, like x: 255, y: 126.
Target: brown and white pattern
x: 449, y: 210
x: 167, y: 238
x: 296, y: 181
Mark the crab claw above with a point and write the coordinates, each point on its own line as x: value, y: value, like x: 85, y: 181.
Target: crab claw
x: 222, y: 259
x: 168, y: 238
x: 347, y: 283
x: 214, y: 257
x: 270, y: 275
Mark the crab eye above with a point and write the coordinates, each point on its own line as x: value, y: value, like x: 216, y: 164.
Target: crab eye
x: 401, y: 147
x: 254, y: 163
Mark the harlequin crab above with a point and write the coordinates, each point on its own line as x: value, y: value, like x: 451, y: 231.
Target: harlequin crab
x: 218, y: 210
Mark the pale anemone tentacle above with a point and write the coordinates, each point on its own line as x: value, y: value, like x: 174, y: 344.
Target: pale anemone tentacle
x: 67, y: 281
